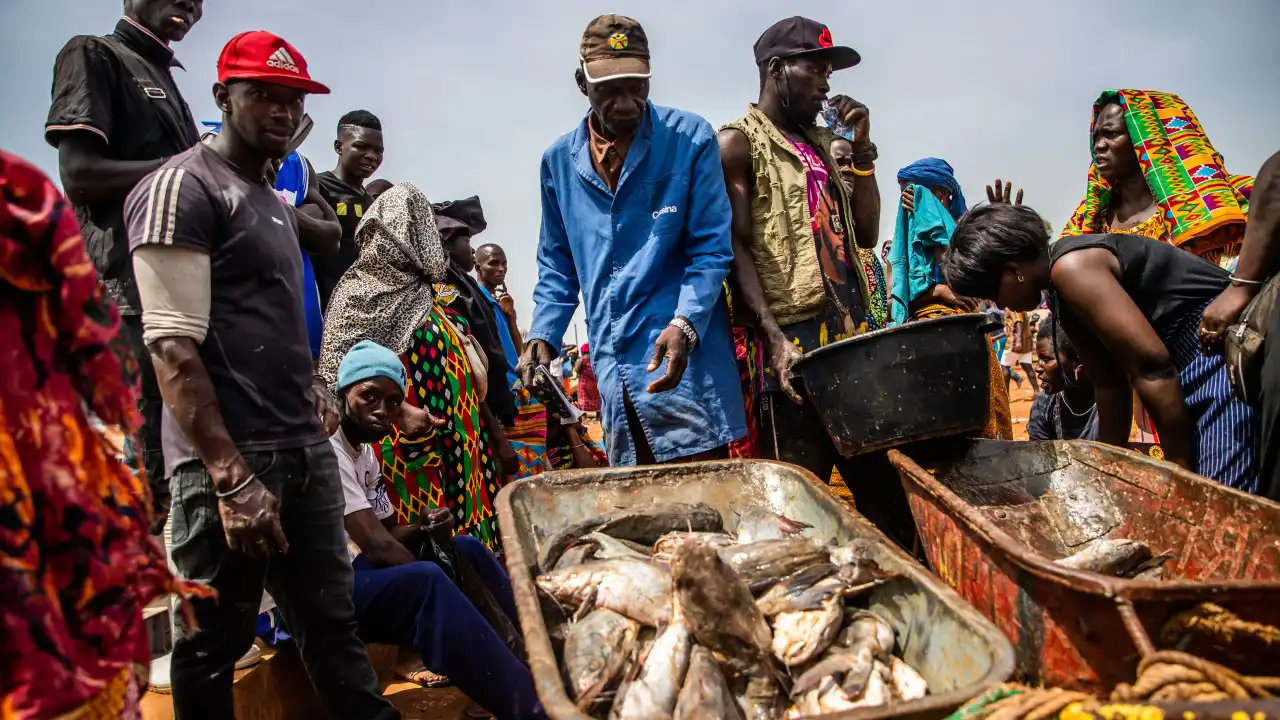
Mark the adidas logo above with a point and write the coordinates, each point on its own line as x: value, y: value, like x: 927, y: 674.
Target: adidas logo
x: 282, y: 60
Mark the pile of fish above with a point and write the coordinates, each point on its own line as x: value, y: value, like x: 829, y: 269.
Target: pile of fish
x: 1119, y: 558
x: 658, y: 613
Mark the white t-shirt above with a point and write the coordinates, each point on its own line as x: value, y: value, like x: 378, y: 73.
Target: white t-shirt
x: 362, y: 487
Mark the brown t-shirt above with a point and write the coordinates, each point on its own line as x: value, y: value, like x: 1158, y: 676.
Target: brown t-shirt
x: 256, y: 349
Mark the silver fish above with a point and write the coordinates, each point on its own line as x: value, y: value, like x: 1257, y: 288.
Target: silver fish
x: 799, y: 637
x: 653, y: 695
x: 907, y: 684
x: 644, y: 525
x: 830, y: 696
x: 610, y: 548
x: 705, y: 693
x: 805, y: 590
x: 596, y: 651
x: 1108, y: 557
x: 868, y: 639
x: 852, y: 552
x: 639, y: 589
x: 773, y: 560
x: 667, y: 543
x: 757, y: 523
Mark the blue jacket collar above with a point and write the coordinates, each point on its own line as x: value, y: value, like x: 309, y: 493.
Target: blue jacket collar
x: 635, y: 155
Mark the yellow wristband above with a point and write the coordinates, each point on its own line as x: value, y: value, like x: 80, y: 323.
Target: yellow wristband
x: 865, y: 173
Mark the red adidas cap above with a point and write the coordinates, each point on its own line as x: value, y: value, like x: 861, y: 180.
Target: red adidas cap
x: 260, y: 55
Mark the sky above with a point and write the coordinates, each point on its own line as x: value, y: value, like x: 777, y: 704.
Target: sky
x: 470, y: 92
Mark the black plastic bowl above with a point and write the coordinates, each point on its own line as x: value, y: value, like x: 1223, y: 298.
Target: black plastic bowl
x: 917, y: 381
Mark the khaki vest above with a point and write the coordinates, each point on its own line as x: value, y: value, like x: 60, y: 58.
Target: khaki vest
x: 782, y: 242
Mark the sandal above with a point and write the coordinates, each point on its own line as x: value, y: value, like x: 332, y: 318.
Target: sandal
x: 423, y: 677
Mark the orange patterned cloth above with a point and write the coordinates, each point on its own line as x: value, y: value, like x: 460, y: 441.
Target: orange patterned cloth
x: 76, y: 565
x: 1000, y: 419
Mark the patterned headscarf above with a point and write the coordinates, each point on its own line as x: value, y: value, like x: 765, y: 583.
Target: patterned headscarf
x: 1188, y: 178
x: 387, y: 291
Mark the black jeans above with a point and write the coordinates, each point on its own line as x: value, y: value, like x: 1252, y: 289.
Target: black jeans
x: 796, y: 434
x: 311, y: 584
x: 150, y: 404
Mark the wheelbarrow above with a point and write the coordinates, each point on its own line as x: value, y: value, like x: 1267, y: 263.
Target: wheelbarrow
x: 993, y: 516
x: 959, y: 653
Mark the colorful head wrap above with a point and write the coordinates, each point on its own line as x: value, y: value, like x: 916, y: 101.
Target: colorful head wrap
x: 1188, y: 178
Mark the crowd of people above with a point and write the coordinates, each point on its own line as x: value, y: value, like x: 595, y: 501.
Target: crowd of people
x: 332, y: 384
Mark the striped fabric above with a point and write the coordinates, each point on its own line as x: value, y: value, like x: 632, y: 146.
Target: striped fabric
x: 162, y: 205
x: 1223, y: 437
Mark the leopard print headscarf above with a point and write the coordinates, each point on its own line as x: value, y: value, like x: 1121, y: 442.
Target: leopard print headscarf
x: 387, y: 291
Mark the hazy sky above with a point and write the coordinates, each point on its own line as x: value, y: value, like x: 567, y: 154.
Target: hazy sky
x: 471, y: 92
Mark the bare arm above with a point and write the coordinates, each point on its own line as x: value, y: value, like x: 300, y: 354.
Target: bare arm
x: 376, y: 541
x: 318, y: 228
x: 189, y: 396
x: 88, y: 177
x: 1088, y: 281
x: 1112, y: 391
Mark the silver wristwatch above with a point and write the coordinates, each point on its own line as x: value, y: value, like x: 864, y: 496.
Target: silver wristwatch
x: 687, y: 328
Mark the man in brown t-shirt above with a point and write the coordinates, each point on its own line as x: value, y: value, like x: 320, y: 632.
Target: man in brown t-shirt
x: 219, y: 274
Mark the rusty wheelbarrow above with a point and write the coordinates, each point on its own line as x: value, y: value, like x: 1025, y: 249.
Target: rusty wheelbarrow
x: 958, y: 652
x: 993, y: 516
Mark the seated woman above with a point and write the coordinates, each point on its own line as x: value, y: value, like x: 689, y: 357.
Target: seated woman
x: 400, y: 599
x: 1156, y: 174
x: 1132, y: 308
x: 1066, y: 410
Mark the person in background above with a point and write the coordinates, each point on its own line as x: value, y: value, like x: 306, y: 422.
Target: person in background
x: 878, y: 295
x: 1156, y: 174
x: 1066, y: 410
x: 219, y: 282
x: 360, y: 149
x: 999, y: 339
x: 115, y: 117
x: 1131, y: 306
x: 76, y: 565
x: 635, y: 218
x: 1020, y: 349
x: 588, y: 392
x: 1259, y: 260
x: 399, y: 599
x: 540, y: 442
x: 375, y: 188
x: 388, y: 297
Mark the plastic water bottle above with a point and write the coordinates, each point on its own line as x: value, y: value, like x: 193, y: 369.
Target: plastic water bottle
x: 832, y: 118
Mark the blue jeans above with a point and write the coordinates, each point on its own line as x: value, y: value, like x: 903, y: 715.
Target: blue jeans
x: 417, y: 606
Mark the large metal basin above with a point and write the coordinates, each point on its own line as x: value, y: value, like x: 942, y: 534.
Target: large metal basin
x: 959, y: 652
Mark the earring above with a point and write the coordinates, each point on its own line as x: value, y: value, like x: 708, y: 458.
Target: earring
x: 1020, y: 278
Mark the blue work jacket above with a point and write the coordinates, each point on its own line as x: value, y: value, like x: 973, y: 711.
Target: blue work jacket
x: 657, y: 248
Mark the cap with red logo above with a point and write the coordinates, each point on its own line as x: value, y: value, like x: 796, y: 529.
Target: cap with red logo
x: 260, y: 55
x: 802, y: 36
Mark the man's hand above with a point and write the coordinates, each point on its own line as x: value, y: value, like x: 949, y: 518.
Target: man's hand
x: 326, y: 405
x: 783, y: 355
x: 250, y: 520
x: 506, y: 303
x: 672, y: 346
x: 909, y: 200
x: 416, y: 422
x: 537, y: 353
x: 1222, y: 313
x: 857, y: 116
x: 1000, y: 193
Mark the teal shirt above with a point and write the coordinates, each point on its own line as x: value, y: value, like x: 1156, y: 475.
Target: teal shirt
x: 915, y: 238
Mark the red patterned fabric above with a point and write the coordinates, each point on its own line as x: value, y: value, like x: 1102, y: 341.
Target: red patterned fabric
x: 76, y: 565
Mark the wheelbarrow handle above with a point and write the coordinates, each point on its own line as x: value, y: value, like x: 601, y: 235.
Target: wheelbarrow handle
x: 1133, y: 624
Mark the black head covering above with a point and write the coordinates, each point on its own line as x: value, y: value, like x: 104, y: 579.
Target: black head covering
x: 465, y: 212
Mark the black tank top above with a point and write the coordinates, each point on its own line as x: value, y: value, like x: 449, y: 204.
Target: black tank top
x: 1165, y: 283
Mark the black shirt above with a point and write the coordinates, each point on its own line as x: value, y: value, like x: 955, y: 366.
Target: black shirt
x: 349, y: 203
x: 256, y: 348
x: 1167, y: 284
x: 119, y: 88
x: 1051, y: 419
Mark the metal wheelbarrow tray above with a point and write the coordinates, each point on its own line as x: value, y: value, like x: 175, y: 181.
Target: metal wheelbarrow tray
x: 992, y: 516
x: 957, y: 651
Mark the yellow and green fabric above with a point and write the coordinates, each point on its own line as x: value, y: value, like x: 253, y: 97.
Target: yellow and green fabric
x: 1202, y: 207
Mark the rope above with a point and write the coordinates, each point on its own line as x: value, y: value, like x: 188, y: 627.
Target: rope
x: 1177, y: 676
x: 1222, y: 624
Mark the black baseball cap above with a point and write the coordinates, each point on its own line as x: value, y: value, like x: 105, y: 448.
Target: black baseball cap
x: 802, y: 36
